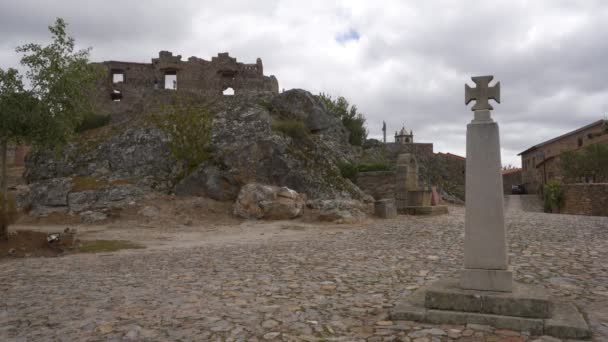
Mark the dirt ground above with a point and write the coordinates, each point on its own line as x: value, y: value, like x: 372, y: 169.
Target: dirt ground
x: 180, y: 222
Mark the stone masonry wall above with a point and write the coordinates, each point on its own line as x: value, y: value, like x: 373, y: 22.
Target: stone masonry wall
x: 143, y: 83
x: 586, y: 199
x: 378, y: 184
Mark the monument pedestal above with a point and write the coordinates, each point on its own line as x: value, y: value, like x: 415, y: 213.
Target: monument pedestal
x: 487, y: 280
x: 525, y: 308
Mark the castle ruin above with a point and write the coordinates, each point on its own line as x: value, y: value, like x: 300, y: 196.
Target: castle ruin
x: 129, y: 85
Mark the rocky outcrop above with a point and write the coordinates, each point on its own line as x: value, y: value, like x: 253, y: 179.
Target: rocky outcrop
x: 64, y: 195
x: 258, y: 201
x: 245, y: 148
x: 141, y: 154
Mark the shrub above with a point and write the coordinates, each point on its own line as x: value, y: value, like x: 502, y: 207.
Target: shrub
x: 296, y: 129
x: 8, y: 211
x: 187, y: 126
x: 553, y: 196
x: 373, y: 167
x: 349, y: 171
x: 352, y: 119
x: 92, y: 121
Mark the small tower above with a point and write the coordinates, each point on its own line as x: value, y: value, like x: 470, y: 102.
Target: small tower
x: 403, y: 137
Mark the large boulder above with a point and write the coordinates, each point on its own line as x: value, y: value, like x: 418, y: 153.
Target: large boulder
x: 258, y: 201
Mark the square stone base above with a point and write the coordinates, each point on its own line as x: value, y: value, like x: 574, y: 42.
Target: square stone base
x: 486, y: 280
x: 526, y: 308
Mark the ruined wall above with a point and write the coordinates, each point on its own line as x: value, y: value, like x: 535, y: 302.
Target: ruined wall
x: 128, y: 87
x: 378, y: 184
x: 586, y: 199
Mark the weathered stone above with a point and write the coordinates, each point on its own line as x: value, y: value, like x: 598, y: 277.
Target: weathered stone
x: 485, y: 256
x: 524, y: 301
x: 257, y: 201
x: 208, y: 180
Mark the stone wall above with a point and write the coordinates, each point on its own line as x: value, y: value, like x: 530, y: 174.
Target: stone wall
x: 586, y: 199
x: 378, y: 184
x: 128, y: 86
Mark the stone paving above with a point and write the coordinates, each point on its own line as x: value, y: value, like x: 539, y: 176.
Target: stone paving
x: 325, y: 286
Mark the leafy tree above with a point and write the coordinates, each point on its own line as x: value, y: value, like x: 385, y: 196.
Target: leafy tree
x: 553, y: 197
x: 187, y: 126
x: 46, y: 114
x: 590, y: 163
x: 351, y: 118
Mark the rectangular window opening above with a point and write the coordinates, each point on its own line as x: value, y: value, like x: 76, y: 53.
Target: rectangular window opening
x: 171, y: 80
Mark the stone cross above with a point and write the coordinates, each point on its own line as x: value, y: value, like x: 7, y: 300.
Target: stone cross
x: 482, y: 93
x: 486, y: 265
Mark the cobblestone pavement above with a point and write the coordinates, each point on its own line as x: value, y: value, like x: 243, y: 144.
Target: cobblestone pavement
x: 323, y: 286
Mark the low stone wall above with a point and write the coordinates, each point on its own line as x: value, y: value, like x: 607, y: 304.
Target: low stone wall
x: 586, y: 199
x: 378, y: 184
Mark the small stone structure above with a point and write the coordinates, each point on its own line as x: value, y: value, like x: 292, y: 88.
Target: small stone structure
x: 410, y: 197
x: 385, y: 208
x: 586, y: 199
x: 484, y: 291
x: 128, y: 86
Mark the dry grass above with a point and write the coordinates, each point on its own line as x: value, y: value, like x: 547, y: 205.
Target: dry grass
x: 98, y: 246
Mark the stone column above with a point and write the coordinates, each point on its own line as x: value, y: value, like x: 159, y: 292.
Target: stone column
x: 486, y: 265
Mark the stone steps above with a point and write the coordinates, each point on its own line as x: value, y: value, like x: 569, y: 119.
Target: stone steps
x: 441, y: 303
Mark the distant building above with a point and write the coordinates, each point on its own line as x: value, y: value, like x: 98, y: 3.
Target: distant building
x: 403, y: 137
x: 540, y: 163
x: 509, y: 178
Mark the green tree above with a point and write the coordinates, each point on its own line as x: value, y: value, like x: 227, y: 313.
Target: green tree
x: 351, y: 118
x: 187, y: 126
x: 591, y: 163
x: 47, y: 113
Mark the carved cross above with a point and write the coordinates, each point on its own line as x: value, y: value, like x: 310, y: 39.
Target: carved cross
x: 482, y: 93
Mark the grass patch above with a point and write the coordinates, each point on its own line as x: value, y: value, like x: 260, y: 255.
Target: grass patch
x: 92, y: 183
x: 98, y: 246
x: 296, y: 129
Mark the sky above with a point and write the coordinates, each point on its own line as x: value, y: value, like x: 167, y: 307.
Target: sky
x: 403, y: 62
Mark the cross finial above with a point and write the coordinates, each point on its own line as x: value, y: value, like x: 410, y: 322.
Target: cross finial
x: 482, y: 93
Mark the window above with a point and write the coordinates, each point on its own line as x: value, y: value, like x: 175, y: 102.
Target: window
x: 116, y: 95
x: 228, y: 91
x: 118, y: 78
x: 171, y: 80
x: 580, y: 142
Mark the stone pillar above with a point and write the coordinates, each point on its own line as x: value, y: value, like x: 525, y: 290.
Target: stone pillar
x: 486, y: 265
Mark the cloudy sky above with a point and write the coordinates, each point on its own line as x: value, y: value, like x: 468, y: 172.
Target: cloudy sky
x: 404, y: 62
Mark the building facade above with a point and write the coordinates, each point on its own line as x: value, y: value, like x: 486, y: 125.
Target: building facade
x: 541, y: 163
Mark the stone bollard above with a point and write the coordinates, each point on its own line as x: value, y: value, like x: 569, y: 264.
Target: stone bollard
x: 385, y: 208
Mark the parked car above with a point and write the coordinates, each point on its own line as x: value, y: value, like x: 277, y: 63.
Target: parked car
x: 518, y: 189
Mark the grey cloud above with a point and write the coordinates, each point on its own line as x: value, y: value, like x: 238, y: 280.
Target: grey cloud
x: 408, y: 66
